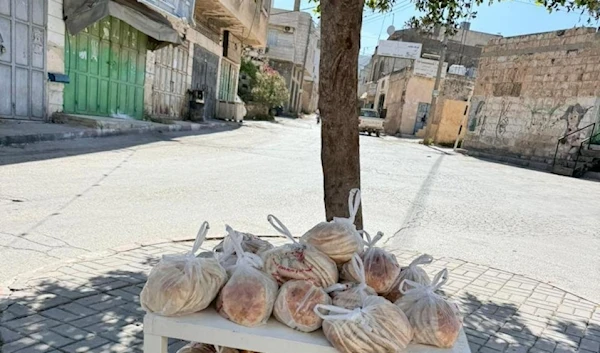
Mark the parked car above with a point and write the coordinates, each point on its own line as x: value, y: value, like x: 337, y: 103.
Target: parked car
x: 370, y: 122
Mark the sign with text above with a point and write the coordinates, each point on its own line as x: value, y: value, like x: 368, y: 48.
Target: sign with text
x: 396, y: 49
x: 428, y: 68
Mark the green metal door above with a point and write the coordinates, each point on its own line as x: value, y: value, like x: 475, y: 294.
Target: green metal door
x: 107, y: 64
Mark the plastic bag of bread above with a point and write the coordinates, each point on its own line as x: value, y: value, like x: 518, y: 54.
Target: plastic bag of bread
x: 250, y: 243
x: 247, y: 298
x: 183, y: 284
x: 298, y: 261
x: 377, y: 326
x: 350, y: 295
x: 194, y: 347
x: 381, y: 267
x: 435, y: 319
x: 295, y: 305
x: 413, y: 272
x: 339, y: 238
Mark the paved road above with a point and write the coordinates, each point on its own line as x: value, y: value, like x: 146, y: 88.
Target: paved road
x: 59, y: 200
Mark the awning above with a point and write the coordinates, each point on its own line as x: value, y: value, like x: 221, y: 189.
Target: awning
x: 80, y: 14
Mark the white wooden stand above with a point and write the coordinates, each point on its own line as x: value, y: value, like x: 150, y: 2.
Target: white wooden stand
x: 209, y: 327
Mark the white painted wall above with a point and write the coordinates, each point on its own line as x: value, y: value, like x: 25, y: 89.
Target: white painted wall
x: 56, y: 55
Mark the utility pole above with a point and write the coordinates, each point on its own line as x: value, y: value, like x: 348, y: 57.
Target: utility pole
x: 432, y: 121
x: 296, y: 5
x: 310, y: 24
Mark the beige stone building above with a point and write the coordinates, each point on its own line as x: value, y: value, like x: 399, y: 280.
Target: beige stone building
x: 293, y: 50
x: 125, y: 57
x: 532, y: 90
x: 408, y: 101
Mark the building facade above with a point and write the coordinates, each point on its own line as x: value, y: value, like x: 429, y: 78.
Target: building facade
x: 293, y: 50
x: 534, y: 89
x: 408, y: 102
x: 463, y: 49
x: 124, y: 57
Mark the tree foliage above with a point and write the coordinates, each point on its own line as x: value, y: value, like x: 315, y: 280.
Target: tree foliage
x: 269, y: 88
x: 450, y: 13
x: 250, y: 70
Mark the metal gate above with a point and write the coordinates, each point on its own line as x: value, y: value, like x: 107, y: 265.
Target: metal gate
x: 22, y: 58
x: 170, y: 81
x: 421, y: 118
x: 107, y: 66
x: 204, y: 77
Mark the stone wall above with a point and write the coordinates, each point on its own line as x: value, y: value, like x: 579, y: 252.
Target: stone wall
x: 532, y: 90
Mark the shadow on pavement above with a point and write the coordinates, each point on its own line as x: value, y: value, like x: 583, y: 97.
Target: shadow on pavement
x: 86, y: 312
x: 65, y: 148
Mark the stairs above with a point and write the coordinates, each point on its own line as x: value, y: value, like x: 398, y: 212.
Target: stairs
x: 588, y: 162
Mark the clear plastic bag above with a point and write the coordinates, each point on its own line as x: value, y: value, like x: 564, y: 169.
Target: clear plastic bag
x: 339, y: 238
x: 435, y: 319
x: 298, y: 261
x: 226, y: 253
x: 350, y: 295
x: 183, y: 284
x: 194, y: 347
x: 381, y: 267
x: 412, y: 272
x: 250, y: 243
x: 295, y: 305
x: 378, y: 326
x: 248, y: 297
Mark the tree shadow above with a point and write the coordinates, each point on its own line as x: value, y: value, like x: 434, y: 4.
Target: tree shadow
x: 101, y: 313
x: 44, y: 150
x: 83, y: 308
x: 492, y: 326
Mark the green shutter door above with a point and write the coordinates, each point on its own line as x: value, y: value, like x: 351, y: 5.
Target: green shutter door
x: 107, y: 64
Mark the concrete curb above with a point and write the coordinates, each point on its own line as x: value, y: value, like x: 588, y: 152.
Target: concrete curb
x: 106, y: 132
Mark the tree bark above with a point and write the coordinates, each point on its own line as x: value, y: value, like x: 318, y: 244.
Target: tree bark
x: 341, y: 22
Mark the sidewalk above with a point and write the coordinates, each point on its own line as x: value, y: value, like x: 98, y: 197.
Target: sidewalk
x: 91, y: 305
x: 13, y: 132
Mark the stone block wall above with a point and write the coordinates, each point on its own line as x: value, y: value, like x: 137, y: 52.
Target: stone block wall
x: 531, y: 90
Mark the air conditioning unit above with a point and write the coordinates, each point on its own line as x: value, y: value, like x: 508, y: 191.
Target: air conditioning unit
x: 288, y: 29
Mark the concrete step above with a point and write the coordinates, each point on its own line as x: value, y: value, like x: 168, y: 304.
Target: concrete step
x: 590, y: 153
x: 591, y: 175
x: 560, y: 170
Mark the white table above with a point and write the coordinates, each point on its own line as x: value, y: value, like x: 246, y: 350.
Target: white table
x: 209, y: 327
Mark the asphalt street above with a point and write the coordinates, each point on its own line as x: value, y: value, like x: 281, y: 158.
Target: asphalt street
x: 59, y: 200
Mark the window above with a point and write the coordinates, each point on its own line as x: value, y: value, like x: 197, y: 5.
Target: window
x: 227, y: 81
x: 272, y: 38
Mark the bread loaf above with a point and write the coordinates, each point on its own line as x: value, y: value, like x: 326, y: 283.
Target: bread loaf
x: 295, y: 305
x: 250, y: 244
x: 247, y: 298
x: 339, y: 238
x: 381, y: 267
x: 377, y: 327
x: 413, y: 272
x: 183, y: 284
x: 350, y: 295
x: 436, y: 321
x: 297, y: 261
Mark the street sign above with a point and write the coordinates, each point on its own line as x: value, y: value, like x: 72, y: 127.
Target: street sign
x: 428, y: 68
x: 396, y: 49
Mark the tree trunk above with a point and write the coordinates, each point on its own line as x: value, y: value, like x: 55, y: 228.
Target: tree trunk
x: 341, y: 22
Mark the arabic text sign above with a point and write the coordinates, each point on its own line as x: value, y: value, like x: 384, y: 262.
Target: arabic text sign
x: 428, y: 68
x: 408, y: 50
